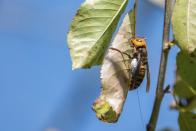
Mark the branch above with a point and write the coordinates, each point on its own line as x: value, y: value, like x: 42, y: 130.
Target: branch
x: 163, y: 64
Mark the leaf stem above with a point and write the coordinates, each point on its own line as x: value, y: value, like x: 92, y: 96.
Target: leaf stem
x: 163, y: 64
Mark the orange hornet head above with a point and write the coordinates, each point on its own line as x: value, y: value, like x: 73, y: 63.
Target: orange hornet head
x: 138, y: 42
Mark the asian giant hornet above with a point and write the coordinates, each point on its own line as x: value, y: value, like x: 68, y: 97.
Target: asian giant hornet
x: 139, y: 62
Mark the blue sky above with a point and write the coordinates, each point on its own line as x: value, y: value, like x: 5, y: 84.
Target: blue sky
x: 38, y: 89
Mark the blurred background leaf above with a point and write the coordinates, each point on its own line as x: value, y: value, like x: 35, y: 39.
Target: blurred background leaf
x: 187, y: 121
x: 186, y: 70
x: 185, y: 89
x: 184, y: 21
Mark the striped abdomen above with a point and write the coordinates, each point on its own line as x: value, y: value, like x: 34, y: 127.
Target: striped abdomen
x: 138, y: 78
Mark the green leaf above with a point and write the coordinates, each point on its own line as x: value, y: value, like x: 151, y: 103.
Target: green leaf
x: 92, y: 29
x: 185, y: 85
x: 115, y: 74
x: 184, y: 24
x: 187, y: 121
x: 184, y: 28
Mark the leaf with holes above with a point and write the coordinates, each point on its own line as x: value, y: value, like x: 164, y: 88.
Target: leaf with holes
x: 92, y: 29
x: 184, y: 24
x: 115, y: 74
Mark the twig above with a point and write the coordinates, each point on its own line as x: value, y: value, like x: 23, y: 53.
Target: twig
x: 162, y: 69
